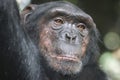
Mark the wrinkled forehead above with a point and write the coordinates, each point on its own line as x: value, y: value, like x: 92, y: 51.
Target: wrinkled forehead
x: 68, y: 11
x: 68, y: 8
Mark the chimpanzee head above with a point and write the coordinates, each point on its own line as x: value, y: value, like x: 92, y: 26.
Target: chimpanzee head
x: 66, y: 35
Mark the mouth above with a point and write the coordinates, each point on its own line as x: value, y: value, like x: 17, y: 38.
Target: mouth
x: 66, y: 58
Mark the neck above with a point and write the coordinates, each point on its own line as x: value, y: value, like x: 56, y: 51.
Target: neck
x: 53, y: 75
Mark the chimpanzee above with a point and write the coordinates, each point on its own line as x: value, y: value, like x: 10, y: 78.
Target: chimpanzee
x: 51, y: 41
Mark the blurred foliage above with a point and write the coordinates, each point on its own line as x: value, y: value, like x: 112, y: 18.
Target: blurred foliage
x: 23, y: 3
x: 111, y: 65
x: 112, y: 40
x: 106, y: 14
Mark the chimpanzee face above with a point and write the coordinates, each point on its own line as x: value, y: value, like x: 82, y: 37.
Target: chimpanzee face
x: 64, y: 39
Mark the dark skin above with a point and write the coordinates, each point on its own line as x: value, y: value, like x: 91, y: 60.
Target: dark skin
x: 62, y: 41
x: 67, y: 39
x: 55, y: 41
x: 64, y: 38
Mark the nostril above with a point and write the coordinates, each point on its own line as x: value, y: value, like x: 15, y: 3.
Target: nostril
x: 74, y: 38
x: 70, y: 37
x: 67, y: 37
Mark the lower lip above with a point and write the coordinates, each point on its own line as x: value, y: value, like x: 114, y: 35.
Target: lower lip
x: 68, y: 58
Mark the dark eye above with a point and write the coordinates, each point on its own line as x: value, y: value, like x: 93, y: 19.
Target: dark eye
x: 81, y: 26
x: 58, y: 21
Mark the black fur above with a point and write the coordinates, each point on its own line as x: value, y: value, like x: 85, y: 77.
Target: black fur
x: 20, y: 57
x: 17, y: 61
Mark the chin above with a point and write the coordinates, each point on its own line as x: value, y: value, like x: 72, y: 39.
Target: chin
x: 65, y: 65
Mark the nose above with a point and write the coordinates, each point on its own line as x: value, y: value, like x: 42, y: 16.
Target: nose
x: 70, y: 37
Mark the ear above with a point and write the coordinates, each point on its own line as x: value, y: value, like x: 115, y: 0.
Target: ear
x: 27, y: 11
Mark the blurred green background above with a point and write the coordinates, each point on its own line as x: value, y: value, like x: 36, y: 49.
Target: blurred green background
x: 106, y: 14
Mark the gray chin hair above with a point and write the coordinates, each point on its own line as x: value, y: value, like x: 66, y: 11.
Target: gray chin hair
x: 75, y: 70
x: 69, y: 69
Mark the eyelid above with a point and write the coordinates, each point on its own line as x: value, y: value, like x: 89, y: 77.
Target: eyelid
x: 59, y: 20
x: 81, y: 26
